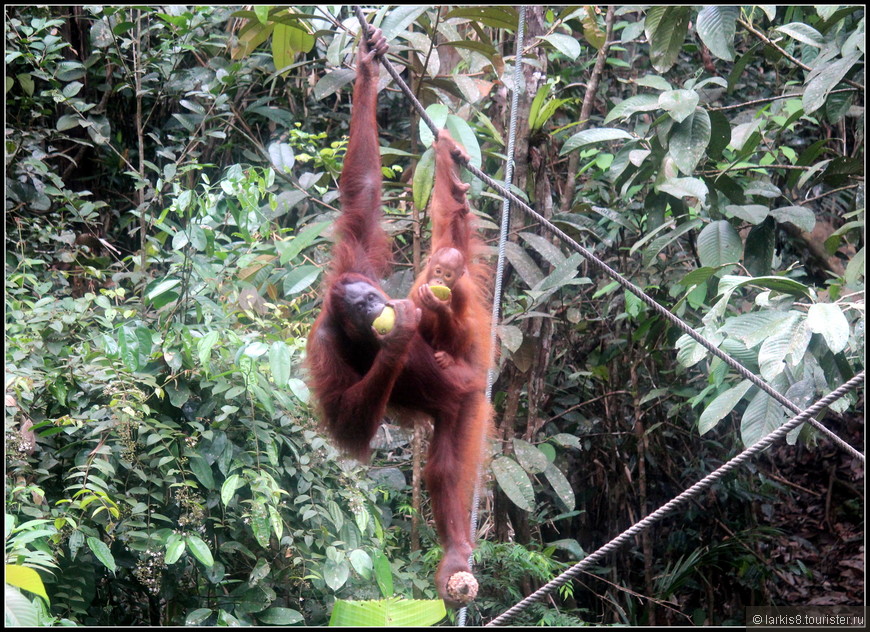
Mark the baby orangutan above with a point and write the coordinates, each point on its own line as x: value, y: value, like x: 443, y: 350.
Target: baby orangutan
x: 445, y: 268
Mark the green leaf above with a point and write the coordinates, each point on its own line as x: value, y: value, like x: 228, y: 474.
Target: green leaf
x: 438, y: 112
x: 332, y: 82
x: 666, y: 28
x: 361, y: 562
x: 633, y: 105
x: 828, y: 320
x: 67, y: 121
x: 399, y: 18
x: 202, y: 471
x: 229, y: 487
x: 752, y: 213
x: 689, y: 140
x: 289, y: 250
x: 280, y: 616
x: 462, y: 133
x: 198, y: 616
x: 127, y: 348
x: 719, y: 244
x: 514, y: 482
x: 565, y: 44
x: 335, y: 574
x: 721, y: 406
x: 716, y: 26
x: 424, y: 179
x: 680, y: 105
x: 19, y: 610
x: 561, y: 486
x: 595, y: 135
x: 281, y: 156
x: 205, y: 345
x: 760, y: 248
x: 496, y: 17
x: 773, y: 351
x: 802, y: 33
x: 800, y: 216
x: 162, y: 287
x: 279, y: 363
x: 199, y: 549
x: 816, y: 91
x: 260, y: 523
x: 683, y: 188
x: 175, y: 548
x: 394, y: 612
x: 763, y: 415
x: 27, y: 579
x: 300, y: 279
x: 533, y: 460
x: 101, y: 552
x: 383, y: 574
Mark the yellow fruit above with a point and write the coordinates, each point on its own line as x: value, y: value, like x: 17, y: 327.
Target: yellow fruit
x: 384, y: 323
x: 441, y: 291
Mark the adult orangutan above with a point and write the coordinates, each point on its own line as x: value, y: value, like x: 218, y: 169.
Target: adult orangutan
x: 357, y: 374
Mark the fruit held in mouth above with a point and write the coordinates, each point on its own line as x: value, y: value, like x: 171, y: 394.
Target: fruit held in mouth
x: 384, y: 323
x: 440, y: 291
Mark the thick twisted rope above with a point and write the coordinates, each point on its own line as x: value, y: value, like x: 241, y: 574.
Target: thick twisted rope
x: 692, y: 492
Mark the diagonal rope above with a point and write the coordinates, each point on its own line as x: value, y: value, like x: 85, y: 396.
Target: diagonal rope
x: 613, y: 274
x: 687, y: 495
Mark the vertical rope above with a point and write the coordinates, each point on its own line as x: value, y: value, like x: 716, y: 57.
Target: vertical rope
x: 499, y: 270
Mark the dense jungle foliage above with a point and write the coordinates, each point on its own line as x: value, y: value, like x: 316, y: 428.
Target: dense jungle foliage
x: 171, y: 180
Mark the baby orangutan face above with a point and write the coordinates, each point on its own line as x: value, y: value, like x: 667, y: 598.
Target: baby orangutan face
x: 446, y: 267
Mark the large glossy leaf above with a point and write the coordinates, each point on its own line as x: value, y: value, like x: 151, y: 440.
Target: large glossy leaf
x: 561, y: 486
x: 333, y: 81
x: 716, y: 26
x: 760, y: 248
x: 394, y: 612
x: 514, y: 482
x: 595, y: 135
x: 802, y: 33
x: 496, y: 17
x: 686, y: 189
x: 101, y: 551
x: 633, y: 105
x: 718, y: 244
x: 826, y: 80
x: 383, y: 574
x: 199, y: 549
x: 688, y: 141
x: 280, y: 616
x: 680, y: 105
x: 721, y: 406
x: 666, y: 28
x: 26, y: 578
x: 531, y: 458
x: 424, y: 179
x: 289, y: 250
x: 763, y: 415
x: 279, y: 362
x: 800, y: 216
x: 773, y: 351
x: 565, y: 44
x: 399, y: 18
x: 828, y: 320
x: 335, y: 574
